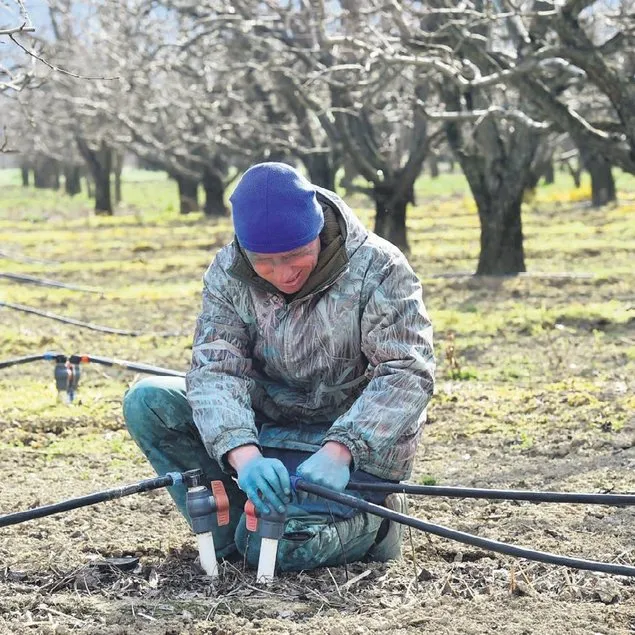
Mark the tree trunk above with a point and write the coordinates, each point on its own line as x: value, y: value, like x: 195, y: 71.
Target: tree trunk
x: 188, y: 194
x: 541, y: 167
x: 321, y: 170
x: 549, y: 173
x: 347, y: 178
x: 602, y: 182
x: 100, y: 165
x: 434, y: 166
x: 390, y: 214
x: 117, y: 167
x: 103, y: 202
x: 214, y: 195
x: 24, y: 169
x: 576, y: 173
x: 46, y: 174
x: 498, y: 170
x: 502, y: 250
x: 72, y: 180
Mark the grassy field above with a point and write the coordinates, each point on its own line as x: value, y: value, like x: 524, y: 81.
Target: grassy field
x: 535, y: 390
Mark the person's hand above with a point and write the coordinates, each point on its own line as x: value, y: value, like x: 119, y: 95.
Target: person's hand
x: 329, y: 466
x: 265, y: 481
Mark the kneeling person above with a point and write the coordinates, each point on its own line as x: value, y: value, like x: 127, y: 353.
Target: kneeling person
x: 313, y: 356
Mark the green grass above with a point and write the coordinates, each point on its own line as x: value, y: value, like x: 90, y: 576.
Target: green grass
x: 546, y: 353
x: 150, y: 194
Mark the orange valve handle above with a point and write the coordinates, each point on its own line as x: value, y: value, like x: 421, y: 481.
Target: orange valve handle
x: 222, y: 503
x: 251, y: 519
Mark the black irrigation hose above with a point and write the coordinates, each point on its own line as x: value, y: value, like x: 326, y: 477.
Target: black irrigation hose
x: 345, y: 499
x: 147, y: 485
x: 44, y: 282
x: 460, y: 536
x: 87, y: 359
x: 142, y: 368
x: 26, y: 359
x: 87, y: 325
x: 496, y: 494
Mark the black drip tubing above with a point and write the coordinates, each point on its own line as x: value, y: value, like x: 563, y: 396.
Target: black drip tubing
x: 25, y: 360
x: 460, y: 536
x: 142, y: 368
x: 95, y: 359
x: 90, y: 499
x: 495, y: 494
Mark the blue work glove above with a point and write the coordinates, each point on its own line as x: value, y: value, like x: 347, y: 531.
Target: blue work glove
x: 329, y: 467
x: 266, y: 482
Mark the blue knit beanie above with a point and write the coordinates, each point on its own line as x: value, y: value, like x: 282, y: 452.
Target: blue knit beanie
x: 275, y: 209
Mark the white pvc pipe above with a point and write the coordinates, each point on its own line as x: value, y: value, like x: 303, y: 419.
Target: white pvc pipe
x: 267, y: 560
x: 207, y: 553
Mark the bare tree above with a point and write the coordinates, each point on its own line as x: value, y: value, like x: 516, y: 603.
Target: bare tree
x: 325, y: 66
x: 487, y: 126
x: 51, y: 114
x: 509, y: 72
x: 178, y: 110
x: 14, y: 21
x: 597, y: 38
x: 16, y: 68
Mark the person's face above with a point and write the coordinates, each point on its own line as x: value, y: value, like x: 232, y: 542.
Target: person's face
x: 287, y: 270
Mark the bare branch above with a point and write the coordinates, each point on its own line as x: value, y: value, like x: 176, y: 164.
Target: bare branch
x: 492, y: 111
x: 23, y: 28
x: 53, y: 67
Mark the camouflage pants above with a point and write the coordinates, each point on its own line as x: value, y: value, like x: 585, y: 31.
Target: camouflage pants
x: 159, y: 419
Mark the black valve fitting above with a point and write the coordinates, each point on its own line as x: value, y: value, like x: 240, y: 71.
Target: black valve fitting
x: 269, y: 525
x: 193, y: 478
x: 200, y: 504
x: 66, y: 377
x: 272, y: 525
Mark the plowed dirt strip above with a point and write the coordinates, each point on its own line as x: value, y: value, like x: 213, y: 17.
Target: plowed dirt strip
x: 534, y: 391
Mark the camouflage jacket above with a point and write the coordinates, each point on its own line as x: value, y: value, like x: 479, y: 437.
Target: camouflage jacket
x: 349, y: 358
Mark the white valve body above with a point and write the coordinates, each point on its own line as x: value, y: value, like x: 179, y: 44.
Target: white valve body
x: 267, y: 560
x: 207, y: 553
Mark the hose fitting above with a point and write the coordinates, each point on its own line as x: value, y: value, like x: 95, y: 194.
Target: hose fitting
x: 66, y: 378
x: 202, y: 504
x: 199, y: 502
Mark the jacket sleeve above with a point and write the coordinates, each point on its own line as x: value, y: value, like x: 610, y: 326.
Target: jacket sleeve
x: 383, y: 426
x: 218, y: 382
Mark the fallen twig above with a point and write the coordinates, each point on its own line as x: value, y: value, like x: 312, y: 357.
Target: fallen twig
x: 357, y: 578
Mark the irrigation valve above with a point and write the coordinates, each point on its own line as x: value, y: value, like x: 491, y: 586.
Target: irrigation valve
x: 270, y: 528
x: 201, y: 507
x: 66, y: 378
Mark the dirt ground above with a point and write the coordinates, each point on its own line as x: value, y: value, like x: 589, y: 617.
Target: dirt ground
x: 535, y: 390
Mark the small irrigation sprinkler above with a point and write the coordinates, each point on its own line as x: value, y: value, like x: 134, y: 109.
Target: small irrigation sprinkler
x: 67, y: 376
